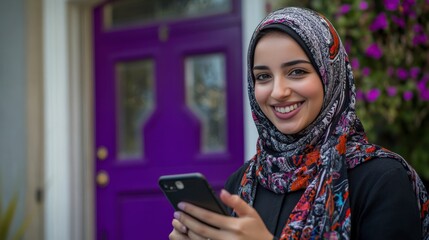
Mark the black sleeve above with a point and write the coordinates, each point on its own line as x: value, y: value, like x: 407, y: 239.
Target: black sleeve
x: 388, y: 209
x: 233, y: 182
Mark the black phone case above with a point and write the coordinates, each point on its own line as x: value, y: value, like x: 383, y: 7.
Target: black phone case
x: 196, y: 190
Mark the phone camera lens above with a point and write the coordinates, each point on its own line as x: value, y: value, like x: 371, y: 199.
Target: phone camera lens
x: 179, y: 185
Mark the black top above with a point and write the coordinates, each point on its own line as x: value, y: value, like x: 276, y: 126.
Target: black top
x: 383, y: 203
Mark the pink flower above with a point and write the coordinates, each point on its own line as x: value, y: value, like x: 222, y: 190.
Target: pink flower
x: 348, y: 46
x: 408, y: 95
x: 402, y: 73
x: 420, y: 39
x: 421, y: 85
x: 363, y: 5
x: 407, y: 6
x: 379, y: 23
x: 391, y: 5
x: 366, y: 71
x: 391, y: 91
x: 359, y: 95
x: 414, y: 72
x: 345, y: 8
x: 400, y: 22
x: 417, y: 28
x: 423, y: 89
x: 373, y: 94
x: 355, y: 63
x: 424, y: 95
x: 374, y: 51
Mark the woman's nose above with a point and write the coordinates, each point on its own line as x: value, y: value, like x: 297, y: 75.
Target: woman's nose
x: 281, y: 88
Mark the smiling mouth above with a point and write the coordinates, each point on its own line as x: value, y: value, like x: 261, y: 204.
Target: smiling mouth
x: 287, y: 109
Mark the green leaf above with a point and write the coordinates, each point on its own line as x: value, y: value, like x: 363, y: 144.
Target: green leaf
x: 7, y: 217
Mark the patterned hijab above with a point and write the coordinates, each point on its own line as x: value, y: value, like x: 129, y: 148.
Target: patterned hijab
x: 317, y: 158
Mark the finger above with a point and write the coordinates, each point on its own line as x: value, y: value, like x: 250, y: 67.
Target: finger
x: 179, y: 226
x: 176, y: 235
x: 195, y: 226
x: 235, y: 202
x: 204, y: 215
x: 194, y: 236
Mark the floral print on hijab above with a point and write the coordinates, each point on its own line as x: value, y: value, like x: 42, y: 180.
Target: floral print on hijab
x: 317, y: 158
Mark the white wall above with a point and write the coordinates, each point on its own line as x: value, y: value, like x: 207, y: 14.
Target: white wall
x: 253, y: 12
x: 13, y: 145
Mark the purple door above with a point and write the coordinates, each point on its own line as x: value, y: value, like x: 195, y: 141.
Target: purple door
x: 168, y: 99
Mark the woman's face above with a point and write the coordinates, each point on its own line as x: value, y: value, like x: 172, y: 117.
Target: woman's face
x: 287, y: 87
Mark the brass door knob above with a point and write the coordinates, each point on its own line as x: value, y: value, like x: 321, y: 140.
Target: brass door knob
x: 102, y: 153
x: 102, y: 178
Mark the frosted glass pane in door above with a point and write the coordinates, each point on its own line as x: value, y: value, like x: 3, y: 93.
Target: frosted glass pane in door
x: 135, y: 102
x: 131, y: 12
x: 206, y: 97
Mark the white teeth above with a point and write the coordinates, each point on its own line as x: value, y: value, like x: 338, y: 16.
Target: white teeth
x: 288, y: 108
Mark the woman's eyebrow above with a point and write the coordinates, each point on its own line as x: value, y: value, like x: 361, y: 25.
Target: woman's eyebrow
x: 260, y: 67
x: 286, y: 64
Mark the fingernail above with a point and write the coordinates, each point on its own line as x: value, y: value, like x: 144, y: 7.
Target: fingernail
x: 181, y: 206
x: 176, y: 215
x: 223, y: 191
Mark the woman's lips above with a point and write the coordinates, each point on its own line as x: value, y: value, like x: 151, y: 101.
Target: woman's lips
x: 287, y: 112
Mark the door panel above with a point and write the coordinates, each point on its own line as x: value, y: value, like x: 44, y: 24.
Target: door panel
x: 164, y: 104
x: 135, y: 103
x: 205, y: 96
x: 139, y: 213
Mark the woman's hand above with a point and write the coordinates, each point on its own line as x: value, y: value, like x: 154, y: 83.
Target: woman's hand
x: 180, y: 232
x: 248, y: 225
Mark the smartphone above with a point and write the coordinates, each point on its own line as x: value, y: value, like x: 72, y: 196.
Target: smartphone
x: 192, y: 188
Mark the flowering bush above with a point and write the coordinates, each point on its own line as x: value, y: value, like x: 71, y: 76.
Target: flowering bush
x: 388, y: 45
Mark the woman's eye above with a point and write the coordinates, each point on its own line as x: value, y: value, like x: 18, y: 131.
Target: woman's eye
x: 262, y: 77
x: 297, y: 72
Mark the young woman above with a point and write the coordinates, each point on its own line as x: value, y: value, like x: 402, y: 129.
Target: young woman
x: 314, y: 176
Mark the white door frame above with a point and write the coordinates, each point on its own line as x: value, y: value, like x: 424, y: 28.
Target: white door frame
x: 68, y: 111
